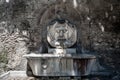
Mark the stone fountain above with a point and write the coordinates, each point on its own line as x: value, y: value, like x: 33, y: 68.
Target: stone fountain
x: 62, y: 57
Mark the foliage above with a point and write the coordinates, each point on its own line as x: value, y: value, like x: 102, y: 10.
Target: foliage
x: 3, y: 56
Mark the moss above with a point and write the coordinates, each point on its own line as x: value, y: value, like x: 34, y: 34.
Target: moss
x: 3, y: 56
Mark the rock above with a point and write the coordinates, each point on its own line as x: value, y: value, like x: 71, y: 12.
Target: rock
x: 16, y: 59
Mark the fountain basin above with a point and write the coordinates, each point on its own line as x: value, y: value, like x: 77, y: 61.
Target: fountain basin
x: 55, y: 65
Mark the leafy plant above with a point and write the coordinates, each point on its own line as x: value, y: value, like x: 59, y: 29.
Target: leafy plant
x: 3, y: 56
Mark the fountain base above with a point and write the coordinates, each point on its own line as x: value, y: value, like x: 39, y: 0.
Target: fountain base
x: 55, y: 65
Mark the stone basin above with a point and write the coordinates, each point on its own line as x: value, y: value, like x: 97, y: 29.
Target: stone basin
x: 55, y: 65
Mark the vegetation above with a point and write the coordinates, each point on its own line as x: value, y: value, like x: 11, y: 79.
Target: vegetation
x: 3, y: 56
